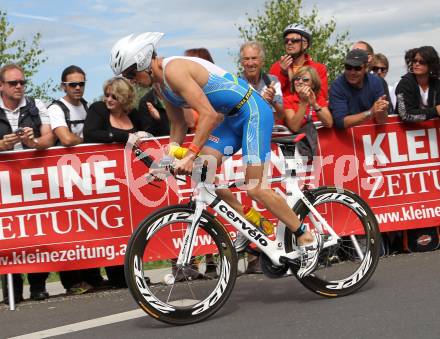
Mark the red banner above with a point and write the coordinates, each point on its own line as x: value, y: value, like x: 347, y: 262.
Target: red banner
x: 70, y: 208
x: 394, y: 167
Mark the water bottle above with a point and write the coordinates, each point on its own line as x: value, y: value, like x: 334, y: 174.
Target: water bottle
x: 255, y: 217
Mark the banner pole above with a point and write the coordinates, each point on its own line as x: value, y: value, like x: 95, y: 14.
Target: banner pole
x: 11, y: 292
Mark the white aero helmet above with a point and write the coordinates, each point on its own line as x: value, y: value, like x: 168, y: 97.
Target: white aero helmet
x: 134, y: 49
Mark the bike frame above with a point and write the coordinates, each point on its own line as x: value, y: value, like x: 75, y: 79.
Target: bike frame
x: 205, y: 196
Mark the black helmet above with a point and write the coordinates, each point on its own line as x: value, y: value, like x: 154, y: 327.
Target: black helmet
x: 299, y: 29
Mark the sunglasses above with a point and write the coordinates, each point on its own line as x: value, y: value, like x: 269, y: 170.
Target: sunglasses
x: 303, y: 79
x: 293, y: 41
x: 377, y: 69
x: 349, y: 68
x: 108, y: 95
x: 75, y: 84
x: 419, y: 61
x: 14, y: 83
x: 130, y: 74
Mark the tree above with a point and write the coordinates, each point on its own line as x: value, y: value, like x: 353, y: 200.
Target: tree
x: 267, y: 28
x: 29, y: 57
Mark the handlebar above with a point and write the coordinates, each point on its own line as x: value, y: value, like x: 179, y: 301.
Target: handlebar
x: 150, y: 163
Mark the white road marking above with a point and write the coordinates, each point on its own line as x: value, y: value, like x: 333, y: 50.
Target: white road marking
x: 84, y: 325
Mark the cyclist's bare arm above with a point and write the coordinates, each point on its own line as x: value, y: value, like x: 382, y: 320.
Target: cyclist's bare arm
x: 186, y: 78
x: 178, y: 125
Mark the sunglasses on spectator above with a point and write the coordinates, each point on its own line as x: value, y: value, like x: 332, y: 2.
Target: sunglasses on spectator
x: 108, y: 95
x: 303, y: 79
x: 376, y: 69
x: 350, y: 67
x: 293, y: 41
x: 75, y: 84
x: 14, y: 83
x: 419, y: 61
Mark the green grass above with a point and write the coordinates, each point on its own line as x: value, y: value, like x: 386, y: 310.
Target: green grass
x: 54, y: 276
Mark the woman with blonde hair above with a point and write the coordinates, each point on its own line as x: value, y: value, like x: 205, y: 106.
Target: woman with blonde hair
x: 113, y: 119
x: 304, y: 107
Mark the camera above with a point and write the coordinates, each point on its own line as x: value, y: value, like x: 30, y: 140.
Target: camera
x: 19, y: 131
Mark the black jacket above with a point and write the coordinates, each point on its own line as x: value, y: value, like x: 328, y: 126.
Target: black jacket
x: 29, y: 117
x: 97, y: 127
x: 157, y: 128
x: 409, y: 102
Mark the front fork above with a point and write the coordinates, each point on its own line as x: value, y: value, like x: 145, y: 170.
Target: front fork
x: 185, y: 253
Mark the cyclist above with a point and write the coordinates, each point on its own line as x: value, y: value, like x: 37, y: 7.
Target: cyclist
x: 231, y: 116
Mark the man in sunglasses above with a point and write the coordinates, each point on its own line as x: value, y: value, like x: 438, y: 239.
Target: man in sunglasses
x: 24, y: 123
x: 357, y: 96
x: 297, y: 39
x: 365, y: 46
x: 67, y: 114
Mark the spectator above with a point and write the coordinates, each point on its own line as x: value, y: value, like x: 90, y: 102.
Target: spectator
x: 67, y: 114
x: 380, y: 67
x: 418, y: 91
x: 357, y: 96
x: 153, y: 109
x: 67, y: 117
x: 297, y: 39
x: 113, y: 120
x: 252, y: 60
x: 303, y: 106
x: 365, y: 46
x: 24, y: 123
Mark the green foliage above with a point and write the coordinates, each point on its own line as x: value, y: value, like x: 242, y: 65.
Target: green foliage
x: 27, y: 56
x: 327, y: 48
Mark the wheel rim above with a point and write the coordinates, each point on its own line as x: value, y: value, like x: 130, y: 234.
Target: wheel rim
x: 347, y: 264
x: 193, y: 288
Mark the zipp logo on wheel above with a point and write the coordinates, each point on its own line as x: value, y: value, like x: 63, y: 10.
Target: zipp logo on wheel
x: 143, y: 288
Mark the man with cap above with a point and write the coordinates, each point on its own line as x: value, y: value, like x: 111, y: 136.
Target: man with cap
x: 297, y: 39
x: 357, y: 96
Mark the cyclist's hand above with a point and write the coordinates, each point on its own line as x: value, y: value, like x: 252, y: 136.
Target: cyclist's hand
x: 162, y: 170
x: 185, y: 166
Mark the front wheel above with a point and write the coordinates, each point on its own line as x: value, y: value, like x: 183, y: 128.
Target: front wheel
x: 345, y: 267
x: 187, y: 294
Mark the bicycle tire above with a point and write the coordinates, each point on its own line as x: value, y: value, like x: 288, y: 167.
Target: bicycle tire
x: 190, y: 300
x: 341, y: 269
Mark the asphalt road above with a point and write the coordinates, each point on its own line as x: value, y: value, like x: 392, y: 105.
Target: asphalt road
x: 402, y: 300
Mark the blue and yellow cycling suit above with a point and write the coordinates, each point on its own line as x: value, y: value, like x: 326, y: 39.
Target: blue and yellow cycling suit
x: 247, y: 124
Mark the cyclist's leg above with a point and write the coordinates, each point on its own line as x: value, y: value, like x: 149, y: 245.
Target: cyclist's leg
x: 224, y: 142
x: 256, y: 144
x: 258, y: 189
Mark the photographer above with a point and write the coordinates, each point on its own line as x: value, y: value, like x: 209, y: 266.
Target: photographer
x: 24, y: 123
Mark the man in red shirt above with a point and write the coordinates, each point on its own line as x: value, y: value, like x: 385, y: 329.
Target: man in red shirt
x: 296, y: 41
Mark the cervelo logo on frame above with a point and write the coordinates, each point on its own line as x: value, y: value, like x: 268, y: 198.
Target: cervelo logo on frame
x: 235, y: 218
